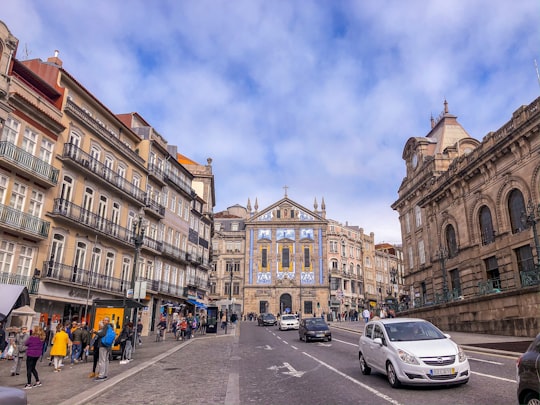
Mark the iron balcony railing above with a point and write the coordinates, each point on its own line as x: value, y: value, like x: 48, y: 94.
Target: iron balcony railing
x: 29, y: 162
x: 108, y: 136
x: 22, y: 222
x: 31, y: 283
x: 82, y: 277
x: 179, y: 183
x: 76, y: 154
x: 173, y: 251
x: 530, y: 277
x: 87, y: 218
x: 155, y: 206
x: 153, y: 244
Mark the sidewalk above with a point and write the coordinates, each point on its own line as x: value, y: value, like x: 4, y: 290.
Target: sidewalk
x: 73, y: 386
x: 508, y: 345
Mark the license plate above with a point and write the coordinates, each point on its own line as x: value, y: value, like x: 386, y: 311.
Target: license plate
x: 319, y: 335
x: 442, y: 371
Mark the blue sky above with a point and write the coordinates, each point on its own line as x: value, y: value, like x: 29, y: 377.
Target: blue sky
x: 320, y: 96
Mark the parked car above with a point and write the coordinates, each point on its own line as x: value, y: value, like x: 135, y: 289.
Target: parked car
x: 314, y: 329
x: 266, y: 320
x: 528, y: 374
x: 288, y: 321
x: 413, y: 352
x: 12, y: 396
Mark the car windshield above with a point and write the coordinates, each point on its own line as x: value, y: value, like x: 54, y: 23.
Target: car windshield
x: 412, y: 331
x: 315, y: 322
x: 288, y: 317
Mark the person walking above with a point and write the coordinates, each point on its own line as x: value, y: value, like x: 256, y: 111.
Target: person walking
x: 20, y: 350
x: 60, y: 345
x: 94, y: 346
x: 85, y: 341
x: 104, y: 350
x: 139, y: 331
x: 76, y: 348
x: 34, y: 345
x: 366, y: 315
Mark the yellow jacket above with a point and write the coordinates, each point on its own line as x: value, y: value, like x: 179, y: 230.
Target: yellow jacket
x: 60, y: 344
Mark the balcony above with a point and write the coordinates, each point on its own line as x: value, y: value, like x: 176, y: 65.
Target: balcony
x: 154, y: 208
x: 156, y: 173
x: 80, y: 216
x: 174, y: 252
x: 31, y: 283
x: 152, y: 244
x: 179, y: 183
x: 108, y: 136
x: 84, y: 278
x: 24, y: 224
x: 88, y: 163
x: 40, y: 171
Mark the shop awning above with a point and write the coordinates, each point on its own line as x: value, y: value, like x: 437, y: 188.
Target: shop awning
x: 12, y: 296
x: 196, y: 303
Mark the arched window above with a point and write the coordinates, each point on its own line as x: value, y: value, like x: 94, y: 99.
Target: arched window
x: 516, y: 208
x: 451, y: 244
x: 486, y: 226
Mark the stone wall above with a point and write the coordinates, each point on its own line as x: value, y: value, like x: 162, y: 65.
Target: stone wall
x: 511, y: 313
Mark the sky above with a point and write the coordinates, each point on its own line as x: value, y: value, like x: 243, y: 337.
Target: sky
x: 319, y: 96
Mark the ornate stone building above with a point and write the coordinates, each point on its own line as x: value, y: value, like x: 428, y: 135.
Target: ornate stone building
x: 468, y: 213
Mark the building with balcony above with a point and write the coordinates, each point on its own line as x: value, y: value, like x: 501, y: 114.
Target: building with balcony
x: 92, y: 202
x: 468, y: 211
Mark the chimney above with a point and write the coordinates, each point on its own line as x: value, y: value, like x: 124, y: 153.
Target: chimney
x: 55, y: 60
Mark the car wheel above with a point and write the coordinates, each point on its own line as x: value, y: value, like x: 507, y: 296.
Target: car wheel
x: 329, y: 339
x: 392, y: 377
x: 531, y: 398
x: 364, y: 368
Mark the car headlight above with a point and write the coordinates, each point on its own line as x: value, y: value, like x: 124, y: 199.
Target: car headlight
x: 461, y: 355
x: 407, y: 358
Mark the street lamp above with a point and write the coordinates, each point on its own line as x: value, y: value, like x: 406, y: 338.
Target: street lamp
x: 443, y: 255
x: 138, y: 240
x: 529, y: 218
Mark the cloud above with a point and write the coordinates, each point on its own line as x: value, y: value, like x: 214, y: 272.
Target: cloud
x: 318, y: 96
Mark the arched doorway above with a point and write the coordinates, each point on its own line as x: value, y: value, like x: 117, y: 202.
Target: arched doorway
x: 285, y: 303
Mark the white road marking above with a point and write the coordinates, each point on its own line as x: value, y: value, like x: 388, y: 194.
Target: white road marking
x: 485, y: 361
x: 291, y: 372
x: 267, y: 347
x: 367, y: 387
x: 494, y: 376
x: 342, y: 341
x: 294, y: 347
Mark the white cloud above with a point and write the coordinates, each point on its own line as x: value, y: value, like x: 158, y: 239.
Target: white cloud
x: 319, y: 96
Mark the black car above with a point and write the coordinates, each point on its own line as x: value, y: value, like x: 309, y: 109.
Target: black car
x: 528, y: 369
x: 314, y: 329
x: 266, y: 320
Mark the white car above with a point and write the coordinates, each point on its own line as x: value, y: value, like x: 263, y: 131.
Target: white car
x: 288, y: 321
x: 411, y: 352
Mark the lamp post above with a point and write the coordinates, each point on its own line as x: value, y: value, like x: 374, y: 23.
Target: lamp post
x: 442, y: 257
x: 529, y: 218
x: 138, y: 240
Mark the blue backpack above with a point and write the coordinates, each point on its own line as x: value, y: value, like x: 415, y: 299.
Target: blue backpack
x: 110, y: 336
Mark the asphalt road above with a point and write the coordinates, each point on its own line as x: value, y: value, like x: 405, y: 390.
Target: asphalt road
x: 262, y: 365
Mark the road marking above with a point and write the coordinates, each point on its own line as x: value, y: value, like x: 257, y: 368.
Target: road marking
x: 342, y: 341
x: 291, y: 372
x: 485, y: 361
x: 367, y: 387
x: 294, y: 347
x: 267, y: 347
x: 493, y: 376
x: 325, y: 344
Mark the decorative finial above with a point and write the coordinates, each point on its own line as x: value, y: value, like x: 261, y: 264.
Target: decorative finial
x: 445, y: 106
x: 285, y: 188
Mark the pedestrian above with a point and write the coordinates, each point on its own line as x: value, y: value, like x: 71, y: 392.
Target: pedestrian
x: 223, y: 320
x: 203, y: 325
x: 3, y: 342
x: 366, y: 315
x: 183, y: 328
x: 20, y: 350
x: 139, y: 331
x: 76, y: 337
x: 60, y: 345
x: 34, y: 345
x: 86, y: 337
x: 47, y: 331
x: 94, y: 346
x: 125, y: 335
x: 104, y: 348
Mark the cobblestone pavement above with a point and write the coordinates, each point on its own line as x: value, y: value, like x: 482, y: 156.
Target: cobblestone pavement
x: 73, y: 386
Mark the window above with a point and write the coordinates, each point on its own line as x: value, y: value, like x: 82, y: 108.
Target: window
x: 11, y: 131
x: 36, y: 203
x: 308, y: 307
x: 264, y: 258
x: 333, y: 246
x: 524, y: 258
x: 29, y: 141
x: 454, y: 280
x: 334, y: 264
x: 46, y: 150
x: 307, y: 260
x: 234, y: 226
x: 516, y: 208
x: 7, y: 254
x: 451, y: 244
x: 492, y: 271
x: 421, y: 252
x: 285, y: 259
x: 407, y: 222
x: 24, y: 265
x: 486, y: 226
x: 418, y: 216
x: 236, y: 288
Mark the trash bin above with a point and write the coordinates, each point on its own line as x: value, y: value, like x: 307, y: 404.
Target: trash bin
x: 212, y: 318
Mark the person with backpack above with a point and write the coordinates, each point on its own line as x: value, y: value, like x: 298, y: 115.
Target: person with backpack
x: 107, y: 336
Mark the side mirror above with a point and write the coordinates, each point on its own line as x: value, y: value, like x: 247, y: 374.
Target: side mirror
x: 378, y: 341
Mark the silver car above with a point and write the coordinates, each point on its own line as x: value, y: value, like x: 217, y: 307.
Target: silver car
x: 412, y: 352
x: 288, y: 322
